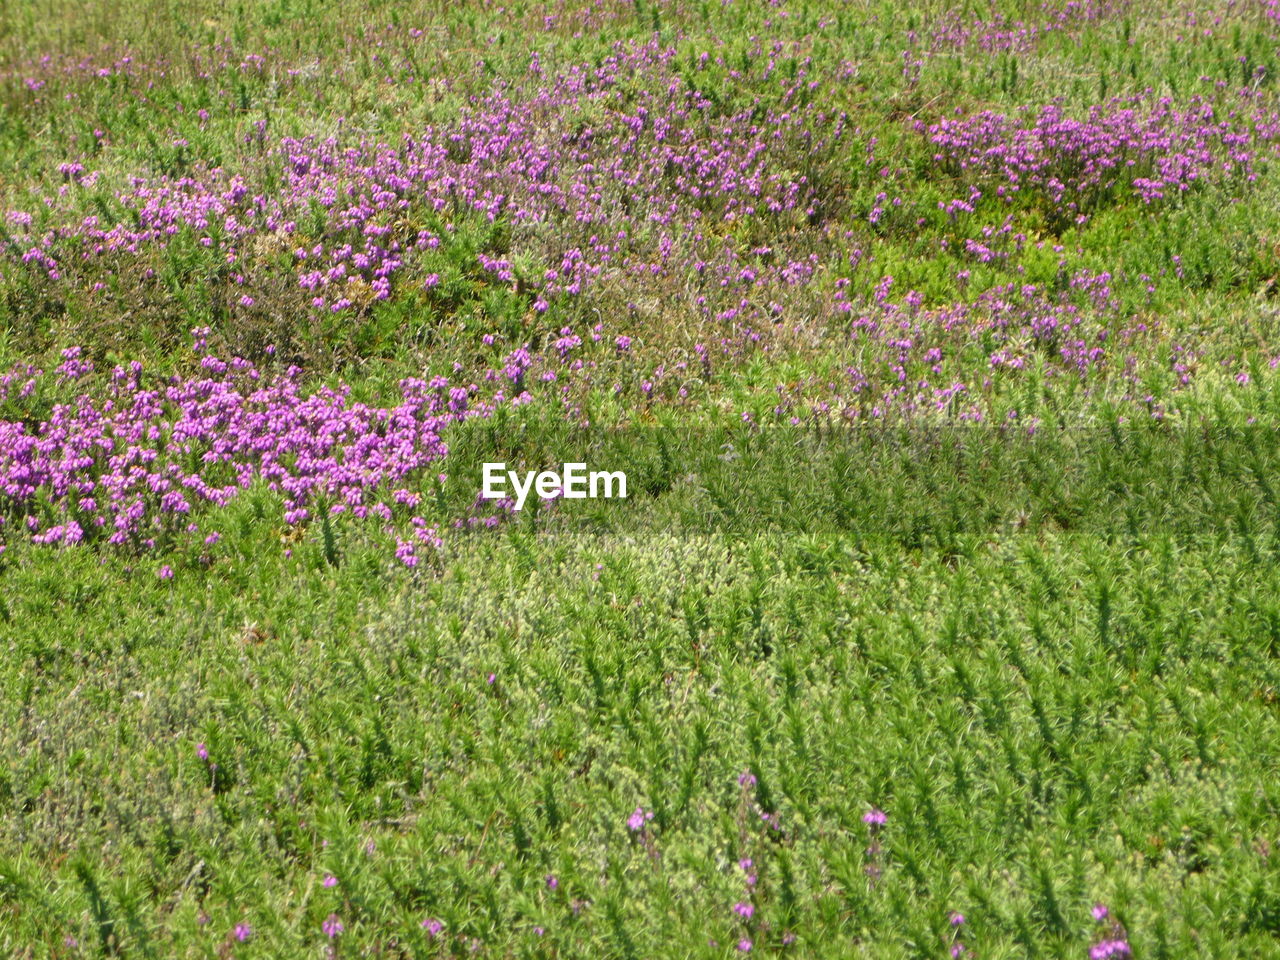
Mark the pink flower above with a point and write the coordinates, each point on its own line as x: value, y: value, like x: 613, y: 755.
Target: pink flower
x: 1110, y: 948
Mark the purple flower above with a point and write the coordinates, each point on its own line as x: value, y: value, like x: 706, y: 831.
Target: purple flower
x: 242, y: 932
x: 956, y: 918
x: 744, y: 910
x: 638, y: 818
x: 1100, y: 912
x: 330, y: 881
x: 202, y: 751
x: 552, y: 882
x: 432, y: 926
x: 875, y: 817
x: 165, y: 572
x: 332, y: 926
x: 1110, y: 948
x: 744, y: 945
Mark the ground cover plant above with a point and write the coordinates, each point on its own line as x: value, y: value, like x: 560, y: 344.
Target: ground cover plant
x: 939, y: 346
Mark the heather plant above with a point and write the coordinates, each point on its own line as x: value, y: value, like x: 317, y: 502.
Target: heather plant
x: 937, y: 344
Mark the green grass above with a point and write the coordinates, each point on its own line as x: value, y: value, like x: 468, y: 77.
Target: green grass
x: 1054, y: 661
x: 1047, y: 646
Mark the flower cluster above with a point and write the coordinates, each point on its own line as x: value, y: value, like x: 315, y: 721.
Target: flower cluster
x: 139, y: 463
x: 635, y: 191
x: 1149, y: 145
x: 1112, y: 941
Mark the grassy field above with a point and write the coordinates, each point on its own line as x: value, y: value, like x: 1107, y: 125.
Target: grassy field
x: 939, y: 346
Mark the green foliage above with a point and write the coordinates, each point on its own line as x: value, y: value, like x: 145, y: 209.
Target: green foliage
x: 1051, y: 659
x: 1048, y: 648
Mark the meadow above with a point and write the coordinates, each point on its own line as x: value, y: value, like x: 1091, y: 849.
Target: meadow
x: 939, y: 344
